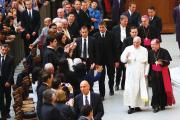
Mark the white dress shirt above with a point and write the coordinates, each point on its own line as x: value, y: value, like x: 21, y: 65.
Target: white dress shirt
x: 103, y: 34
x: 130, y: 12
x: 123, y: 33
x: 88, y: 97
x: 30, y: 12
x: 4, y: 56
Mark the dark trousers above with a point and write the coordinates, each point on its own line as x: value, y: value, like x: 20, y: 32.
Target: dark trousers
x: 5, y: 99
x: 120, y: 75
x: 178, y: 44
x: 28, y: 42
x: 110, y: 73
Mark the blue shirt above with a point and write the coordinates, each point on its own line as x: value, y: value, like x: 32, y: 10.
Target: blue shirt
x: 97, y: 15
x: 2, y: 6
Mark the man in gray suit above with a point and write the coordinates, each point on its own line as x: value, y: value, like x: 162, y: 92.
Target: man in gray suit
x: 176, y: 15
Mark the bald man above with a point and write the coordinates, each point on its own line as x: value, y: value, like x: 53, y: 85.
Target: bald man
x: 86, y: 97
x: 137, y: 68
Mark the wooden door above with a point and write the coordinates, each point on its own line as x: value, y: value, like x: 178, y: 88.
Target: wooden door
x: 164, y: 9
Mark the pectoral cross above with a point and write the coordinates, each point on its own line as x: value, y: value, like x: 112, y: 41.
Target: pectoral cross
x: 156, y: 63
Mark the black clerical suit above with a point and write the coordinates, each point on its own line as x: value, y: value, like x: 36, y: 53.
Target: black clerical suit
x: 95, y: 102
x: 105, y: 49
x: 147, y: 32
x: 7, y: 73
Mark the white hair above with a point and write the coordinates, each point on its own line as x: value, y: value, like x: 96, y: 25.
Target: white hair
x: 137, y: 38
x: 48, y: 66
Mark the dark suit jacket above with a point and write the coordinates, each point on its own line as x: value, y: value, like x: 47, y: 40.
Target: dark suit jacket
x: 134, y: 19
x: 50, y: 56
x: 49, y: 112
x: 117, y: 9
x: 96, y: 103
x: 65, y: 111
x: 74, y: 29
x: 40, y: 91
x: 156, y: 22
x: 78, y: 50
x: 7, y: 70
x: 30, y: 25
x: 83, y: 18
x: 116, y: 31
x: 105, y: 49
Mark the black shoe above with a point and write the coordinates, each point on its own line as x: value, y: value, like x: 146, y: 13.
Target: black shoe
x: 138, y: 109
x: 131, y: 110
x: 162, y: 107
x: 156, y: 109
x: 102, y: 98
x: 111, y: 93
x: 116, y: 87
x: 8, y: 116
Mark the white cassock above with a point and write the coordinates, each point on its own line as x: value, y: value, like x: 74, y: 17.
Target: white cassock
x: 135, y: 93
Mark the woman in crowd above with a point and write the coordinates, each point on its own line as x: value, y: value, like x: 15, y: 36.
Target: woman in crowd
x: 65, y: 108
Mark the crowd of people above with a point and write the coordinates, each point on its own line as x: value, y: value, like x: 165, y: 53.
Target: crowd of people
x: 75, y: 48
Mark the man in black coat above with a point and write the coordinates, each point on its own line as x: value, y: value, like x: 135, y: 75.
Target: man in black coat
x: 6, y: 80
x: 47, y: 78
x: 105, y: 49
x: 89, y: 98
x: 134, y: 17
x: 120, y: 32
x: 48, y: 111
x: 50, y: 55
x: 155, y: 21
x: 30, y: 21
x: 85, y: 47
